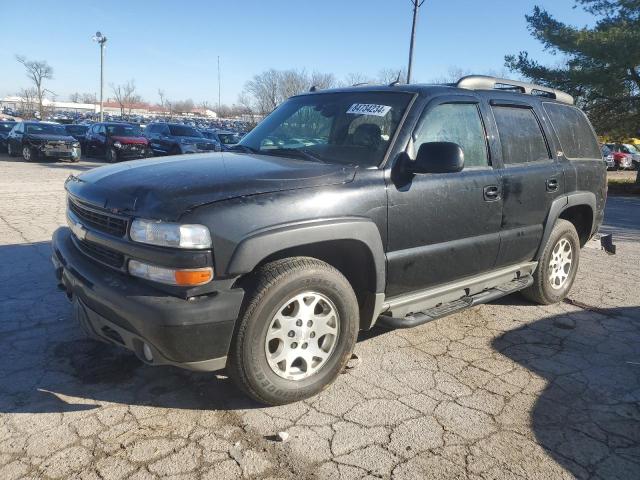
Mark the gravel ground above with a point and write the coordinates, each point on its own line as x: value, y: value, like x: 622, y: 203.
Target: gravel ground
x: 505, y: 390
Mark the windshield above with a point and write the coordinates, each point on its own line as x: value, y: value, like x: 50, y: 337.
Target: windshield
x: 6, y: 127
x: 124, y: 130
x: 228, y: 138
x: 631, y: 149
x: 77, y: 129
x: 345, y: 128
x: 184, y: 131
x: 46, y: 129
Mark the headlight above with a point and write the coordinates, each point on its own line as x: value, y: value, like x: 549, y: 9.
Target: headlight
x: 170, y: 234
x: 117, y: 144
x: 76, y: 144
x: 183, y: 277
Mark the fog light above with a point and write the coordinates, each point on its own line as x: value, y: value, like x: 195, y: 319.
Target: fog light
x: 146, y: 351
x: 188, y: 277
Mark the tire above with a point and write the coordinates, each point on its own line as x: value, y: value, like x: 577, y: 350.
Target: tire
x: 10, y: 150
x: 553, y: 280
x: 277, y: 289
x: 111, y: 155
x: 29, y: 154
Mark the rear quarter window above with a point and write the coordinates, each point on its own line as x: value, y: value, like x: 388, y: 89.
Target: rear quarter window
x: 574, y: 131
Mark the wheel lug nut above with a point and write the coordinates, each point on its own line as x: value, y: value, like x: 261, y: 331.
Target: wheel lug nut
x: 291, y: 333
x: 309, y: 323
x: 304, y: 345
x: 312, y: 334
x: 294, y: 345
x: 299, y: 323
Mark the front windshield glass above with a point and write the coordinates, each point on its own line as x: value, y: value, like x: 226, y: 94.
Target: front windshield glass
x: 45, y: 129
x: 184, y: 131
x: 631, y: 149
x: 6, y: 127
x: 341, y: 127
x: 77, y: 129
x: 124, y: 130
x: 228, y: 138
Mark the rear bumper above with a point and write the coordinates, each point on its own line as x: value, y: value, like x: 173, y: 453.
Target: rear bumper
x: 189, y: 333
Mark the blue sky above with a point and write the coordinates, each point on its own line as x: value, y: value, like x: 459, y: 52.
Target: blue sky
x: 174, y: 45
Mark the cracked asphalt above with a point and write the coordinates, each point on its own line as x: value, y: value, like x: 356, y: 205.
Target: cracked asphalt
x: 505, y: 390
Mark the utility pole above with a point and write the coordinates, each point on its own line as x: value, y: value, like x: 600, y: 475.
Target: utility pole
x: 416, y: 5
x: 218, y: 84
x: 101, y: 40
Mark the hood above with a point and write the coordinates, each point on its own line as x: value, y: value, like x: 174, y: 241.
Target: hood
x: 164, y: 189
x: 131, y: 140
x: 47, y: 137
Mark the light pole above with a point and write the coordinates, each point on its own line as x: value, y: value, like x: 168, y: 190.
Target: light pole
x: 101, y: 40
x: 416, y: 5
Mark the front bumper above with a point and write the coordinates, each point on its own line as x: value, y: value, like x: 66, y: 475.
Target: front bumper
x: 190, y: 333
x: 72, y: 153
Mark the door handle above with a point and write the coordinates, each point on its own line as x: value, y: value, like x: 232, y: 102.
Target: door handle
x: 491, y: 193
x: 552, y: 184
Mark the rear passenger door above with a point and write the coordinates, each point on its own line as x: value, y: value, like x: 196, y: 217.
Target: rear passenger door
x: 531, y: 179
x: 445, y: 226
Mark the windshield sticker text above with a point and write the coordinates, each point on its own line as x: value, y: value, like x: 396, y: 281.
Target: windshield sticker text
x: 369, y: 109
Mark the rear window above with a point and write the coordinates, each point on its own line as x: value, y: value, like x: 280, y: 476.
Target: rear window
x: 574, y: 131
x: 520, y: 135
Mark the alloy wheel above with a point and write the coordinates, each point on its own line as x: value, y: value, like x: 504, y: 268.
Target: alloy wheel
x: 302, y: 336
x: 26, y: 153
x: 560, y: 263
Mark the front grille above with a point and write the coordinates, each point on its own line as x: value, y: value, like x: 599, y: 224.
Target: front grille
x: 101, y: 254
x: 104, y: 222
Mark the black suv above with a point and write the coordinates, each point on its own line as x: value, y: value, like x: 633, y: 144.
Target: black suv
x: 391, y: 205
x: 176, y: 139
x: 35, y: 140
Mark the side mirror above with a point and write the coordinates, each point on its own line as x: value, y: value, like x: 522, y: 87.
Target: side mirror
x: 437, y: 157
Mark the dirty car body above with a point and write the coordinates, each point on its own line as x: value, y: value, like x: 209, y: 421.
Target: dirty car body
x: 335, y: 177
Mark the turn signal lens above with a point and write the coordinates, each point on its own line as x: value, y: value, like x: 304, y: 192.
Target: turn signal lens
x: 182, y: 277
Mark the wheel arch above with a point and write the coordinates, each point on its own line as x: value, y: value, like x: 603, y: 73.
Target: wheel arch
x: 353, y: 246
x: 579, y: 209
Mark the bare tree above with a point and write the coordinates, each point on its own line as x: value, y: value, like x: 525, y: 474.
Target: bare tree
x: 323, y: 80
x: 37, y: 72
x: 126, y: 96
x: 74, y: 97
x: 390, y: 75
x: 183, y: 106
x: 162, y: 97
x: 28, y: 101
x: 356, y: 78
x: 89, y: 98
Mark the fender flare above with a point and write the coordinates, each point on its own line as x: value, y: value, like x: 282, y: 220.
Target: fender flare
x: 559, y: 205
x: 262, y: 243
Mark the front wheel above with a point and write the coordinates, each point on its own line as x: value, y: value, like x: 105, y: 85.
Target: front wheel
x: 28, y: 154
x: 557, y: 267
x: 296, y: 333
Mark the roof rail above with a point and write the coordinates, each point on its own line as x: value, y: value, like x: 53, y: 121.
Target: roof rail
x: 484, y: 82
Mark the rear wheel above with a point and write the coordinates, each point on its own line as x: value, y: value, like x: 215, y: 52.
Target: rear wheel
x: 296, y: 333
x: 112, y: 155
x: 558, y: 265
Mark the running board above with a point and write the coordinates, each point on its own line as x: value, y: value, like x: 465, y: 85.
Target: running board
x: 444, y: 309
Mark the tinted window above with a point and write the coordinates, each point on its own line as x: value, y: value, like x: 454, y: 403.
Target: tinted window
x: 76, y: 129
x: 124, y: 130
x: 520, y: 135
x: 184, y: 131
x: 45, y: 129
x: 6, y: 127
x: 458, y: 123
x: 574, y: 132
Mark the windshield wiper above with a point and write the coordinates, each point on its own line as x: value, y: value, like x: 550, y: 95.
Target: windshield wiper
x: 299, y: 152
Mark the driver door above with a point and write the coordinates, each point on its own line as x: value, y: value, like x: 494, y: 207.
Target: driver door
x: 445, y: 226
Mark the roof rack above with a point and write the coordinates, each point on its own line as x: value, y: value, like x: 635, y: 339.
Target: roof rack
x: 483, y: 82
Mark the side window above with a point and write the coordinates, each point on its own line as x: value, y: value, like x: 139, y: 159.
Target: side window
x: 458, y: 123
x: 574, y: 131
x: 520, y: 135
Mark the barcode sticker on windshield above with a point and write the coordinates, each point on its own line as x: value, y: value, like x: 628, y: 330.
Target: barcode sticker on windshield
x: 369, y: 109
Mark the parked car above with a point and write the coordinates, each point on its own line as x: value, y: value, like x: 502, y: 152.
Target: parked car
x: 35, y: 140
x: 634, y: 152
x: 5, y: 128
x: 416, y: 202
x: 621, y: 156
x: 608, y: 157
x: 224, y: 138
x: 79, y: 132
x: 176, y: 139
x: 117, y: 141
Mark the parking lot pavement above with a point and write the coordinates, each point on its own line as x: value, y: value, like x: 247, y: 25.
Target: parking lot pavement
x: 506, y: 390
